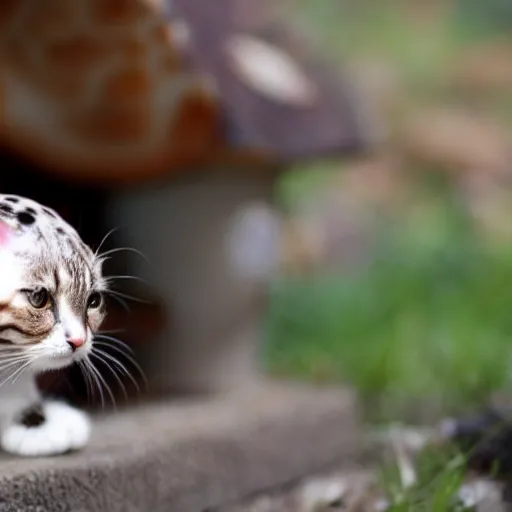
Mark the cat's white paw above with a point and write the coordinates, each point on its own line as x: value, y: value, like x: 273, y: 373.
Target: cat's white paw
x: 64, y: 429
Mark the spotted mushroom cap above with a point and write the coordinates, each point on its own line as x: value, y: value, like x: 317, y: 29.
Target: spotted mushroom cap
x: 123, y: 89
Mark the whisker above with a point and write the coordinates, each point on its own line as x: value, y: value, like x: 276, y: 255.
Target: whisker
x: 134, y: 278
x: 130, y: 359
x: 7, y: 357
x: 4, y: 369
x: 5, y: 366
x: 94, y: 378
x: 8, y: 376
x: 114, y: 373
x: 12, y: 349
x: 126, y: 296
x: 12, y: 357
x: 123, y: 303
x: 21, y: 370
x: 16, y: 373
x: 113, y: 230
x: 114, y: 340
x: 104, y: 383
x: 128, y: 249
x: 120, y: 365
x: 87, y: 379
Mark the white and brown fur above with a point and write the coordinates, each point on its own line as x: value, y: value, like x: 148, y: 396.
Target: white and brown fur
x: 40, y: 251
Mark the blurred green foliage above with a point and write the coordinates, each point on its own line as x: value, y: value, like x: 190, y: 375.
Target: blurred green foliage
x: 429, y: 317
x: 439, y: 474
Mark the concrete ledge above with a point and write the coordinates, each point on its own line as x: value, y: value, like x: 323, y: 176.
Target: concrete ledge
x: 180, y: 457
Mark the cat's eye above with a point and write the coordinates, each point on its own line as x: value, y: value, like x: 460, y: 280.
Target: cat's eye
x: 38, y: 298
x: 95, y: 300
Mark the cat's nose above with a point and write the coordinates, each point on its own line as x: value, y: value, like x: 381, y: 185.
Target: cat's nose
x: 75, y: 343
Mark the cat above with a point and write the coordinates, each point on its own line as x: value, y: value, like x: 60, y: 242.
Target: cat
x: 51, y: 306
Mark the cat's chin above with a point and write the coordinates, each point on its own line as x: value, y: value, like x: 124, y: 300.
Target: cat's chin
x: 54, y: 363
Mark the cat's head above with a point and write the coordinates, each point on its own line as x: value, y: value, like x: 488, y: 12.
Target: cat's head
x: 51, y: 287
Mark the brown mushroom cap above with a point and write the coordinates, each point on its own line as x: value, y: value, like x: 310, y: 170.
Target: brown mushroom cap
x: 98, y: 89
x: 113, y: 90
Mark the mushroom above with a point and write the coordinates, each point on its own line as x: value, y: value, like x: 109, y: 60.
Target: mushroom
x: 130, y: 95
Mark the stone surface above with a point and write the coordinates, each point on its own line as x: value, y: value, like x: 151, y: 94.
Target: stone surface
x: 348, y: 491
x: 180, y: 457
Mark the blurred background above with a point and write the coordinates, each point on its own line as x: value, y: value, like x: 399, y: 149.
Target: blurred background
x: 399, y: 283
x: 397, y: 262
x: 389, y: 265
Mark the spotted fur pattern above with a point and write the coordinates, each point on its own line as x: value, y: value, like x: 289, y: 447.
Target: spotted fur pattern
x: 51, y: 306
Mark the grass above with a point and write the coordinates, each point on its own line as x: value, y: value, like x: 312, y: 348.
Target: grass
x: 428, y: 320
x: 439, y: 474
x: 428, y: 317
